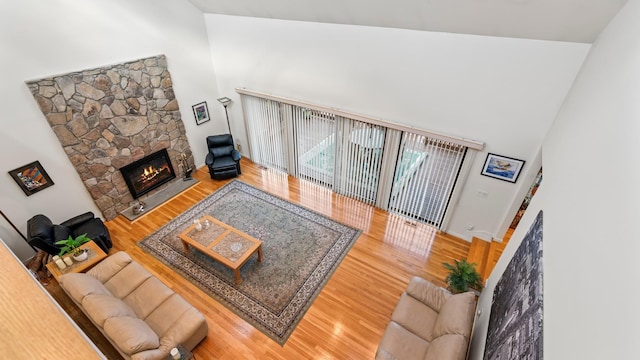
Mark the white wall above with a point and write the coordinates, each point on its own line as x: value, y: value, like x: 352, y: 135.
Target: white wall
x: 589, y: 196
x: 43, y: 38
x: 502, y: 91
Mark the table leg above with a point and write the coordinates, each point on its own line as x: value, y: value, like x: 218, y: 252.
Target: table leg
x: 238, y: 278
x: 260, y: 252
x: 186, y: 246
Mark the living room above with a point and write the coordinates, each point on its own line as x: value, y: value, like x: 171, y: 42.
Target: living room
x: 509, y: 93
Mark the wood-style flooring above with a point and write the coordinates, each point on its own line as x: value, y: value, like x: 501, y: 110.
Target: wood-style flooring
x: 347, y: 319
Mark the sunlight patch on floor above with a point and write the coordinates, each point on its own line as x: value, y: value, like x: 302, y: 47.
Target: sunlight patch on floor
x: 409, y: 235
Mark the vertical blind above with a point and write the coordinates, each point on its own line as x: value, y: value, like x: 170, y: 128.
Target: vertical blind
x: 359, y: 147
x: 314, y: 134
x: 266, y: 132
x: 409, y: 174
x: 425, y: 176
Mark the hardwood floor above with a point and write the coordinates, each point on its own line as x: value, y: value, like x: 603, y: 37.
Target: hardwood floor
x: 348, y: 318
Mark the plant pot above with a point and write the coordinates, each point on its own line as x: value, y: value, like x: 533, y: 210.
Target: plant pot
x: 81, y: 256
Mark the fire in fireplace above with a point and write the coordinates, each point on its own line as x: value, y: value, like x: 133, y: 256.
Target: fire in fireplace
x: 148, y: 173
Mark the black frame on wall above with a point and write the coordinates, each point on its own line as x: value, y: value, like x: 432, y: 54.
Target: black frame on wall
x: 31, y: 178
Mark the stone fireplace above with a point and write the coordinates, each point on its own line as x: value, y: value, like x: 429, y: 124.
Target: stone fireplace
x: 113, y: 116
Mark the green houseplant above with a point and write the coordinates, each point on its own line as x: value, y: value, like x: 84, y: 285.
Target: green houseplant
x: 462, y: 277
x: 72, y: 245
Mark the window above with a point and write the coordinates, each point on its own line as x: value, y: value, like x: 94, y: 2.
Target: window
x: 406, y: 171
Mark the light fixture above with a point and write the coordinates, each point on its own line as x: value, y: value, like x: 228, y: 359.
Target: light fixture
x: 225, y: 101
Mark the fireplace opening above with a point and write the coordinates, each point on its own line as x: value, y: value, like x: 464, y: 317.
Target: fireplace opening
x: 148, y: 173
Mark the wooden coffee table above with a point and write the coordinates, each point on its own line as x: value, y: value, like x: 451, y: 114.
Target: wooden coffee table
x: 222, y: 243
x: 95, y: 255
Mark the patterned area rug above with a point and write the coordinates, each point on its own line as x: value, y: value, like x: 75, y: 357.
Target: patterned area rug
x: 301, y: 250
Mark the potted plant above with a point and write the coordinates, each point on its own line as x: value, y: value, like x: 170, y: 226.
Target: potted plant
x: 72, y: 246
x: 463, y: 277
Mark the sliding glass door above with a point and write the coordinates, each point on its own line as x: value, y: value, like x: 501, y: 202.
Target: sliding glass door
x: 400, y: 171
x: 315, y: 148
x: 360, y: 154
x: 425, y: 176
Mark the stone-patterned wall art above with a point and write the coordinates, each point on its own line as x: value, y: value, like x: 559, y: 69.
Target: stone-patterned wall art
x: 516, y: 320
x: 108, y: 117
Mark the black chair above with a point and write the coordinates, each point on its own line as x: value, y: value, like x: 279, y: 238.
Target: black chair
x: 223, y: 160
x: 43, y: 234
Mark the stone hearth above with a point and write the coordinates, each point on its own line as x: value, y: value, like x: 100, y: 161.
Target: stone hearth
x: 108, y: 117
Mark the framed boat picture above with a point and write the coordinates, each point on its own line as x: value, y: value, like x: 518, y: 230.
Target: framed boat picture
x: 502, y: 167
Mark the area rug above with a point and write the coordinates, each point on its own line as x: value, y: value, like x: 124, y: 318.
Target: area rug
x: 301, y: 250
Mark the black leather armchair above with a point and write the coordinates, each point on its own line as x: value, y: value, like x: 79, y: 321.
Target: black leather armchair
x: 43, y: 234
x: 223, y: 160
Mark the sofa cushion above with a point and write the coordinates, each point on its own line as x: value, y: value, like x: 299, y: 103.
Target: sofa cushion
x: 147, y: 297
x: 102, y: 307
x: 127, y: 280
x: 189, y: 329
x: 415, y: 316
x: 78, y: 219
x: 60, y: 232
x: 79, y: 285
x: 428, y: 293
x: 131, y: 334
x: 456, y: 316
x: 450, y: 347
x: 221, y: 151
x: 110, y: 266
x: 167, y: 313
x: 399, y: 343
x: 94, y: 228
x: 383, y: 354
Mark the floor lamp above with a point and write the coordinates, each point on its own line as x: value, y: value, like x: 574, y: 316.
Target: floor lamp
x: 225, y: 101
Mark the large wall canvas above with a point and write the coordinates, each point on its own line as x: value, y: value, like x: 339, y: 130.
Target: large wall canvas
x: 515, y: 324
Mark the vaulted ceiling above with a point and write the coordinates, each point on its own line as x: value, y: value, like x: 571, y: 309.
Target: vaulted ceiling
x: 559, y: 20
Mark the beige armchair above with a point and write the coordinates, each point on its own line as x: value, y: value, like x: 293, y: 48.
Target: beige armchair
x: 429, y: 323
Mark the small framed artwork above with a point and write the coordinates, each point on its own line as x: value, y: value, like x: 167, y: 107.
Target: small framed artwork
x: 201, y: 112
x: 502, y: 167
x: 31, y: 178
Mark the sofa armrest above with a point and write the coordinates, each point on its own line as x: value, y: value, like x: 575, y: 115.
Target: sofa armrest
x: 189, y: 331
x: 77, y: 220
x: 209, y: 159
x: 427, y: 293
x: 153, y: 354
x: 235, y: 155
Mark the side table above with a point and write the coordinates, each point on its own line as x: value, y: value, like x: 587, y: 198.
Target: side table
x: 95, y: 255
x: 184, y: 353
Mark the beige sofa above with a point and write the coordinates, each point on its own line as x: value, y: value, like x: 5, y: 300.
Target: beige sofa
x: 136, y: 312
x: 429, y: 323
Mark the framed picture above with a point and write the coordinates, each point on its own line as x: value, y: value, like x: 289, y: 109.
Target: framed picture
x: 31, y: 178
x: 502, y: 167
x: 201, y: 112
x: 517, y: 308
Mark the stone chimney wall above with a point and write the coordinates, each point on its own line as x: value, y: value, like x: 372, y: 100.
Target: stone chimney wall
x: 108, y: 117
